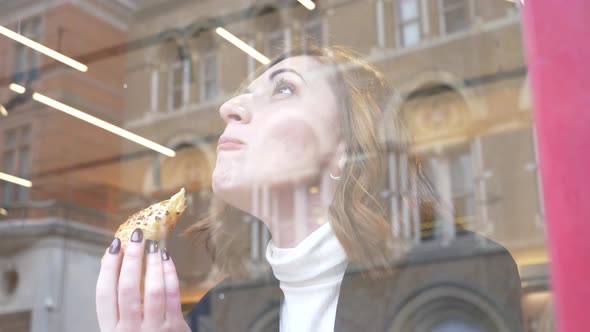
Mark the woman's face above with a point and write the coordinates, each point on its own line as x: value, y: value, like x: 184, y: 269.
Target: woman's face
x: 282, y: 129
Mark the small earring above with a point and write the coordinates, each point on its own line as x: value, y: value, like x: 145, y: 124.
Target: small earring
x: 334, y: 177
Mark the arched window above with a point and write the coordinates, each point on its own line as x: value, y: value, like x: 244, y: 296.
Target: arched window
x: 438, y: 120
x: 189, y: 169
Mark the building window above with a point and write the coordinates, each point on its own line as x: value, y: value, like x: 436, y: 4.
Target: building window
x: 313, y: 33
x: 209, y: 77
x: 178, y: 84
x: 380, y: 23
x: 156, y: 174
x: 16, y: 157
x: 451, y: 173
x: 26, y: 60
x: 277, y: 43
x: 462, y: 185
x: 251, y: 62
x: 409, y: 25
x: 454, y: 15
x: 155, y: 90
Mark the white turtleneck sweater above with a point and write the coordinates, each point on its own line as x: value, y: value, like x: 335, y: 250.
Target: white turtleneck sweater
x: 310, y: 276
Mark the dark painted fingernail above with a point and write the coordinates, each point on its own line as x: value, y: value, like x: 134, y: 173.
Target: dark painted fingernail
x: 152, y: 246
x: 164, y: 254
x: 115, y: 246
x: 137, y: 235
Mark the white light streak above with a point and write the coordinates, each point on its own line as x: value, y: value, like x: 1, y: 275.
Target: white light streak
x: 242, y: 45
x: 15, y: 179
x: 17, y: 88
x: 43, y: 49
x: 307, y: 4
x: 103, y: 124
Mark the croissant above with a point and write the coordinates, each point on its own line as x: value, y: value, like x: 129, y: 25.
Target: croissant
x: 156, y: 221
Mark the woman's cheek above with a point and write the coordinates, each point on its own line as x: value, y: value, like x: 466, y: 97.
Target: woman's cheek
x: 290, y: 146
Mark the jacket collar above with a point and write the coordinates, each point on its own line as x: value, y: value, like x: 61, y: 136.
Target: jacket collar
x: 352, y: 313
x: 356, y: 291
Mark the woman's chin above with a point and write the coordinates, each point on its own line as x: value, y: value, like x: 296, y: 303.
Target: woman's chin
x: 222, y: 182
x: 232, y: 193
x: 225, y: 185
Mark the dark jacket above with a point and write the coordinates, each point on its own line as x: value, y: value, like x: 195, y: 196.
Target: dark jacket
x: 470, y: 284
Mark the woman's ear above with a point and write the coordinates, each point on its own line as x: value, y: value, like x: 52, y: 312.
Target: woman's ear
x: 339, y: 160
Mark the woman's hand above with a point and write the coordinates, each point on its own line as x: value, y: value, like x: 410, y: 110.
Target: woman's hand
x: 118, y: 300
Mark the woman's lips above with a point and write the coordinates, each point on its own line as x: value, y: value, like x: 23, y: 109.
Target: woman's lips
x: 229, y: 143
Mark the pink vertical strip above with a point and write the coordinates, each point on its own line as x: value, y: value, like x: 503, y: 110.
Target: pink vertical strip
x: 557, y: 38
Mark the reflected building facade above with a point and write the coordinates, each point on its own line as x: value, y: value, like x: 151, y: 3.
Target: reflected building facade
x: 162, y: 73
x: 54, y: 233
x: 459, y: 69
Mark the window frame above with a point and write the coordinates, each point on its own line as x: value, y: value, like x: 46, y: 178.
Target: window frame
x: 202, y: 79
x: 13, y: 193
x: 183, y: 68
x: 155, y: 90
x: 29, y: 60
x: 285, y: 35
x: 467, y: 8
x: 447, y: 158
x: 400, y: 23
x: 312, y: 24
x: 250, y: 61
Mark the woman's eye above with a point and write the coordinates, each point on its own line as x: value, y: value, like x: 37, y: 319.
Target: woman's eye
x: 283, y: 88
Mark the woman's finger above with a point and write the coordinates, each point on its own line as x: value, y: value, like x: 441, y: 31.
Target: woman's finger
x: 107, y: 309
x: 130, y: 306
x: 154, y: 299
x: 173, y: 308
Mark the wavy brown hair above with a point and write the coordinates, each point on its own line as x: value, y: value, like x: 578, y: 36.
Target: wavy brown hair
x: 360, y: 214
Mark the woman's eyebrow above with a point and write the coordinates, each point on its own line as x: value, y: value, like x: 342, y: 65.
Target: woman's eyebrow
x: 272, y: 75
x: 285, y: 70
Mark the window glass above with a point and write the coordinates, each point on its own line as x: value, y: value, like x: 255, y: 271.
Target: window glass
x: 209, y: 70
x: 314, y: 32
x: 347, y: 165
x: 454, y: 15
x: 176, y: 86
x: 409, y: 22
x: 409, y: 9
x: 411, y: 34
x: 27, y: 60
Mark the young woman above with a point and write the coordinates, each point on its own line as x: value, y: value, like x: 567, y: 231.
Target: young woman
x: 305, y: 150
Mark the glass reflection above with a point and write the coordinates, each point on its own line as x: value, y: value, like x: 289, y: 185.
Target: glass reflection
x: 457, y: 189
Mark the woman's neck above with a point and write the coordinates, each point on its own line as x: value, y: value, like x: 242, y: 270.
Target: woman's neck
x: 293, y: 212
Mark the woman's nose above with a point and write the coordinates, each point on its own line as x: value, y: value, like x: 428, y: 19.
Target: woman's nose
x: 235, y: 110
